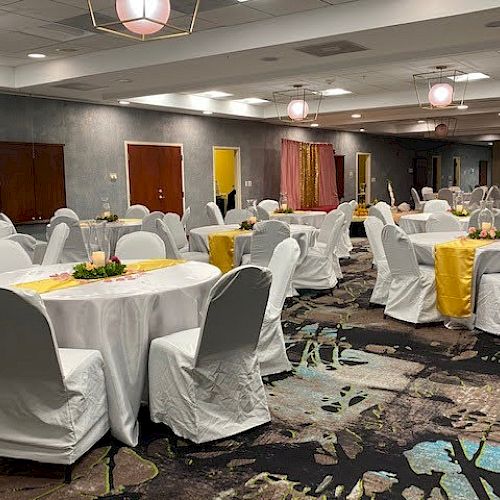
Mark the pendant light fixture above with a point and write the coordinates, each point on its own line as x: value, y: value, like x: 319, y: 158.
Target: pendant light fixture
x: 299, y: 105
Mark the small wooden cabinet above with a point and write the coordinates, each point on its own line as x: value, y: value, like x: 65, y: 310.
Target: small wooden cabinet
x: 32, y: 182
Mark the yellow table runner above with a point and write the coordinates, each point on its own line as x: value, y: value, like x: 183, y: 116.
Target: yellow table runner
x: 454, y: 263
x: 221, y: 248
x: 63, y: 281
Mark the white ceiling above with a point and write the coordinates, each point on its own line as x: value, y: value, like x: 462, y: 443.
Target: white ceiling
x: 250, y: 49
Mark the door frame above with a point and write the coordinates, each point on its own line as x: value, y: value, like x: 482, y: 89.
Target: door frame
x: 237, y: 173
x: 142, y: 143
x: 368, y: 190
x: 438, y: 179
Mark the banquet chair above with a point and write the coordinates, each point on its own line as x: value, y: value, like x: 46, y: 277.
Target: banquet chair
x: 373, y: 229
x: 271, y: 350
x: 354, y: 204
x: 427, y: 193
x: 433, y: 206
x: 136, y: 212
x: 66, y: 212
x: 205, y: 383
x: 13, y: 256
x: 385, y: 209
x: 494, y: 196
x: 476, y: 198
x: 214, y: 214
x: 412, y: 293
x: 149, y: 222
x: 54, y: 404
x: 488, y: 304
x: 324, y: 236
x: 266, y: 236
x: 171, y: 249
x: 140, y: 245
x: 419, y: 204
x: 75, y: 249
x: 55, y: 247
x: 237, y: 215
x: 262, y: 214
x: 269, y: 205
x: 344, y: 246
x: 186, y: 217
x: 474, y: 216
x: 318, y: 270
x: 446, y: 194
x: 442, y: 222
x: 174, y: 223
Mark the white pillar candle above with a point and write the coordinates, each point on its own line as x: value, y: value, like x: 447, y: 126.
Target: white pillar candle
x: 99, y: 259
x: 459, y: 208
x: 284, y: 206
x: 485, y: 226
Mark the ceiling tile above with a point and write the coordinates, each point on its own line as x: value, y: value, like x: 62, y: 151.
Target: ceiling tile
x: 284, y: 7
x: 45, y: 9
x: 235, y: 14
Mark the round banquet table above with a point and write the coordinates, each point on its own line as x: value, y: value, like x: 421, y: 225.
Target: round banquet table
x: 424, y: 243
x: 415, y: 223
x: 307, y: 218
x: 114, y: 230
x: 119, y: 318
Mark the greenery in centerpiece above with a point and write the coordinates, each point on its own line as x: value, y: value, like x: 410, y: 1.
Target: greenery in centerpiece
x: 287, y: 210
x: 247, y: 225
x: 483, y: 234
x: 88, y: 271
x: 108, y: 218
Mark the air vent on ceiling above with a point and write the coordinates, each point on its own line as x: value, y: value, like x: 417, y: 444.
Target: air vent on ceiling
x: 84, y: 87
x: 331, y: 48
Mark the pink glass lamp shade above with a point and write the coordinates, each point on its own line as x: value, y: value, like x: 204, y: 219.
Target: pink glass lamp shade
x: 441, y: 95
x: 150, y: 15
x: 441, y: 130
x: 298, y: 109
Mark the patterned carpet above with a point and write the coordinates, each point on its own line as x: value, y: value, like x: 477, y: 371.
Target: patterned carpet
x: 374, y: 409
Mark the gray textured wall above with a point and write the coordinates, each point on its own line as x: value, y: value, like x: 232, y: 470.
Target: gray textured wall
x: 94, y: 138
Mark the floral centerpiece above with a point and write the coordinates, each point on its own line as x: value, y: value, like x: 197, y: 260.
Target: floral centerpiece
x: 483, y: 234
x: 247, y: 225
x: 460, y: 212
x: 284, y: 210
x: 108, y: 218
x: 90, y: 271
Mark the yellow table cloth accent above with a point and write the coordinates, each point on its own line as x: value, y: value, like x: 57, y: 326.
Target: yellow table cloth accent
x: 60, y: 283
x: 454, y: 264
x: 221, y: 248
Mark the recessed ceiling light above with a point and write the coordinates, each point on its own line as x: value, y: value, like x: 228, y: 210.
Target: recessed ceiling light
x: 490, y: 144
x: 252, y: 100
x: 498, y: 114
x: 314, y: 125
x: 356, y: 115
x: 208, y: 112
x: 335, y: 91
x: 421, y: 121
x: 362, y: 130
x: 462, y: 107
x: 213, y: 94
x: 36, y: 55
x: 123, y: 102
x: 124, y: 80
x: 468, y: 77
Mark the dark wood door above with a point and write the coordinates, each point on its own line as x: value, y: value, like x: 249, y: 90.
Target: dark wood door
x: 483, y: 173
x: 339, y: 173
x: 419, y: 173
x: 17, y: 192
x: 155, y: 177
x: 50, y: 192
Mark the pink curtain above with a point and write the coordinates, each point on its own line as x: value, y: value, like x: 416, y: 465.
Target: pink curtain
x: 290, y: 171
x: 328, y: 194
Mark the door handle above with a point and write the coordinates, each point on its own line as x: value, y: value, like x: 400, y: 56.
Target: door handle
x: 161, y: 197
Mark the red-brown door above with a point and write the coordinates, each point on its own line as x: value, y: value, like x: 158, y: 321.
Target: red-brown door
x: 483, y: 173
x: 339, y: 173
x: 155, y: 177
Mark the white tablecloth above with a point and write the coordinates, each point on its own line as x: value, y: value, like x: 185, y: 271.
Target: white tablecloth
x: 119, y: 318
x: 115, y: 230
x: 424, y: 243
x: 415, y: 223
x: 310, y: 218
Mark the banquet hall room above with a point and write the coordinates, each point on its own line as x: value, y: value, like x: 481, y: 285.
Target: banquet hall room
x: 249, y: 249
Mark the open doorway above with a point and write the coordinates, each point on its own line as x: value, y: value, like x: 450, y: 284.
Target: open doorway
x: 456, y: 170
x: 227, y: 178
x: 436, y: 173
x: 363, y: 177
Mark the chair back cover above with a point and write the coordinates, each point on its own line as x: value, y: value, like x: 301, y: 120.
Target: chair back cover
x: 75, y: 249
x: 335, y: 235
x: 55, y: 247
x: 186, y: 217
x: 442, y: 222
x: 476, y: 196
x: 66, y: 212
x: 494, y: 196
x: 426, y: 190
x: 214, y: 214
x: 13, y: 256
x: 262, y: 214
x: 265, y: 238
x: 386, y: 212
x: 136, y: 212
x: 446, y: 194
x: 171, y: 250
x: 8, y: 225
x: 140, y: 245
x: 373, y: 229
x: 237, y: 215
x: 416, y: 198
x: 433, y: 206
x: 399, y: 252
x: 269, y: 205
x: 327, y: 225
x: 474, y: 218
x: 173, y: 222
x: 149, y: 222
x: 348, y: 211
x: 235, y: 312
x: 354, y: 204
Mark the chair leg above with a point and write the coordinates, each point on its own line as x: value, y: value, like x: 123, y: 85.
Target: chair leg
x: 68, y: 469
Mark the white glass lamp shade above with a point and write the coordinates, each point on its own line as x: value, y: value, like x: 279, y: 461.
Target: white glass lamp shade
x: 298, y: 109
x: 441, y: 130
x: 441, y: 95
x: 150, y: 15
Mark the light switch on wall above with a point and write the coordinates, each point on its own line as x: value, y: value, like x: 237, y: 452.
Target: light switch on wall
x: 374, y: 179
x: 113, y: 176
x: 248, y: 184
x: 351, y: 175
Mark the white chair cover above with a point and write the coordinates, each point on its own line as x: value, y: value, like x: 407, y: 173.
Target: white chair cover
x: 54, y: 405
x: 324, y: 236
x: 66, y: 212
x: 320, y: 268
x: 174, y: 223
x: 171, y: 249
x: 488, y: 304
x: 344, y: 246
x: 6, y: 228
x: 186, y: 217
x: 494, y: 196
x: 136, y: 212
x: 271, y: 350
x: 442, y: 222
x: 419, y: 204
x: 412, y: 294
x: 6, y: 218
x: 140, y: 245
x: 476, y: 197
x: 205, y: 383
x: 75, y: 249
x: 373, y: 229
x: 149, y: 222
x: 237, y: 215
x: 426, y: 191
x: 447, y: 195
x: 13, y: 256
x: 262, y: 214
x: 55, y: 247
x: 433, y: 206
x: 31, y: 246
x: 386, y: 212
x: 354, y: 204
x: 265, y: 238
x: 214, y: 214
x: 269, y: 205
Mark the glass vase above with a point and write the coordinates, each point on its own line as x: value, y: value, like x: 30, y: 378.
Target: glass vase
x: 485, y: 219
x: 283, y: 201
